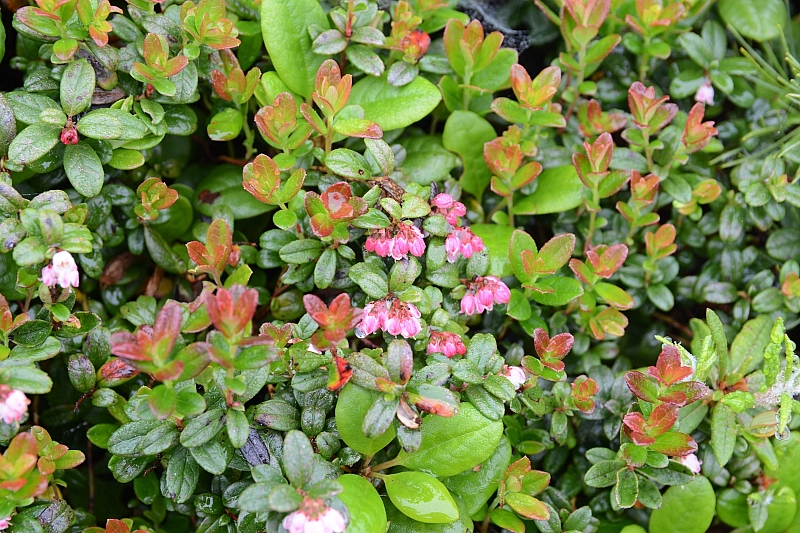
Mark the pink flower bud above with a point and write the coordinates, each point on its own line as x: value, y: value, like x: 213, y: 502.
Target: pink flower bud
x: 396, y: 242
x: 691, y: 462
x: 705, y: 93
x: 69, y: 135
x: 483, y: 293
x: 62, y: 271
x: 461, y: 241
x: 13, y: 404
x: 314, y: 517
x: 516, y: 375
x: 446, y: 343
x: 4, y: 523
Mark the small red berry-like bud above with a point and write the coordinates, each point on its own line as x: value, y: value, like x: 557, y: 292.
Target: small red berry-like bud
x: 69, y: 135
x: 415, y: 44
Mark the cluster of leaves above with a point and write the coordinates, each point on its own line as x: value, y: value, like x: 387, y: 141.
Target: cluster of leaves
x: 355, y: 256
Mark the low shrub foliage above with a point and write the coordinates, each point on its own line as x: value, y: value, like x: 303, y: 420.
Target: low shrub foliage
x: 350, y: 265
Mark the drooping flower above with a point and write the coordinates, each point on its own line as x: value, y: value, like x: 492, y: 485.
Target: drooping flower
x: 447, y: 206
x: 705, y: 93
x: 462, y: 241
x: 4, y: 523
x: 61, y: 271
x: 397, y: 241
x: 314, y: 517
x: 483, y: 293
x: 691, y: 462
x: 391, y: 315
x: 13, y: 404
x: 515, y: 374
x: 446, y: 343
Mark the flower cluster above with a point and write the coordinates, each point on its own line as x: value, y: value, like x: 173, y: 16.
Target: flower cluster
x: 483, y: 293
x: 61, y: 271
x: 448, y: 207
x: 446, y: 343
x: 397, y: 241
x: 462, y: 241
x: 391, y: 315
x: 13, y: 404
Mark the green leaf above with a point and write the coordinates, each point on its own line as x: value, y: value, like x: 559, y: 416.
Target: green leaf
x: 747, y: 349
x: 298, y: 459
x: 559, y: 189
x: 8, y: 125
x: 180, y: 478
x: 626, y: 490
x: 760, y: 21
x: 556, y: 290
x: 603, y: 474
x: 723, y: 432
x: 475, y: 487
x: 238, y: 427
x: 372, y: 281
x: 84, y: 169
x: 507, y: 520
x: 325, y: 269
x: 161, y: 252
x: 455, y: 444
x: 285, y: 25
x: 496, y: 238
x: 348, y: 163
x: 143, y: 437
x: 465, y: 133
x: 421, y: 497
x: 351, y: 408
x: 77, y: 85
x: 394, y: 107
x: 202, y: 429
x: 661, y: 296
x: 695, y: 500
x: 28, y: 379
x: 225, y: 125
x: 162, y: 401
x: 33, y: 142
x: 367, y: 513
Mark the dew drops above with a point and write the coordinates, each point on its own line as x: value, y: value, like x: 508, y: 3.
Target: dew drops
x: 360, y: 334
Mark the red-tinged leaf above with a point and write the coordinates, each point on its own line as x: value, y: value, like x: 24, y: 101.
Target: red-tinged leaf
x: 640, y: 439
x: 662, y: 419
x: 612, y: 321
x: 261, y: 178
x: 317, y: 309
x: 168, y: 322
x: 582, y: 271
x: 500, y: 188
x: 641, y: 386
x: 358, y: 127
x: 434, y: 399
x: 115, y: 372
x: 169, y: 372
x: 674, y: 444
x: 116, y: 526
x: 557, y: 251
x: 194, y: 358
x: 636, y: 422
x: 340, y: 308
x: 614, y: 296
x: 526, y: 174
x: 694, y: 390
x: 322, y: 225
x: 519, y: 467
x: 669, y: 369
x: 527, y: 506
x: 339, y: 374
x: 129, y: 350
x: 22, y: 444
x: 609, y: 260
x: 534, y: 482
x: 13, y: 485
x: 673, y: 397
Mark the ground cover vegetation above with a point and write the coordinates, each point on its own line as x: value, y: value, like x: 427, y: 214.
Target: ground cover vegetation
x: 353, y: 265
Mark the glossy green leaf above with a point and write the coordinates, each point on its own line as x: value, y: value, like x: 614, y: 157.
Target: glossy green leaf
x: 394, y: 107
x: 454, y: 444
x: 77, y: 85
x: 465, y: 133
x: 352, y: 406
x: 84, y: 169
x: 421, y: 497
x: 367, y: 513
x: 695, y: 500
x: 760, y: 21
x: 559, y: 189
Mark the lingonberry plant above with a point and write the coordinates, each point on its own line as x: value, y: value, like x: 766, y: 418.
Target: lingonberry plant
x: 324, y: 266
